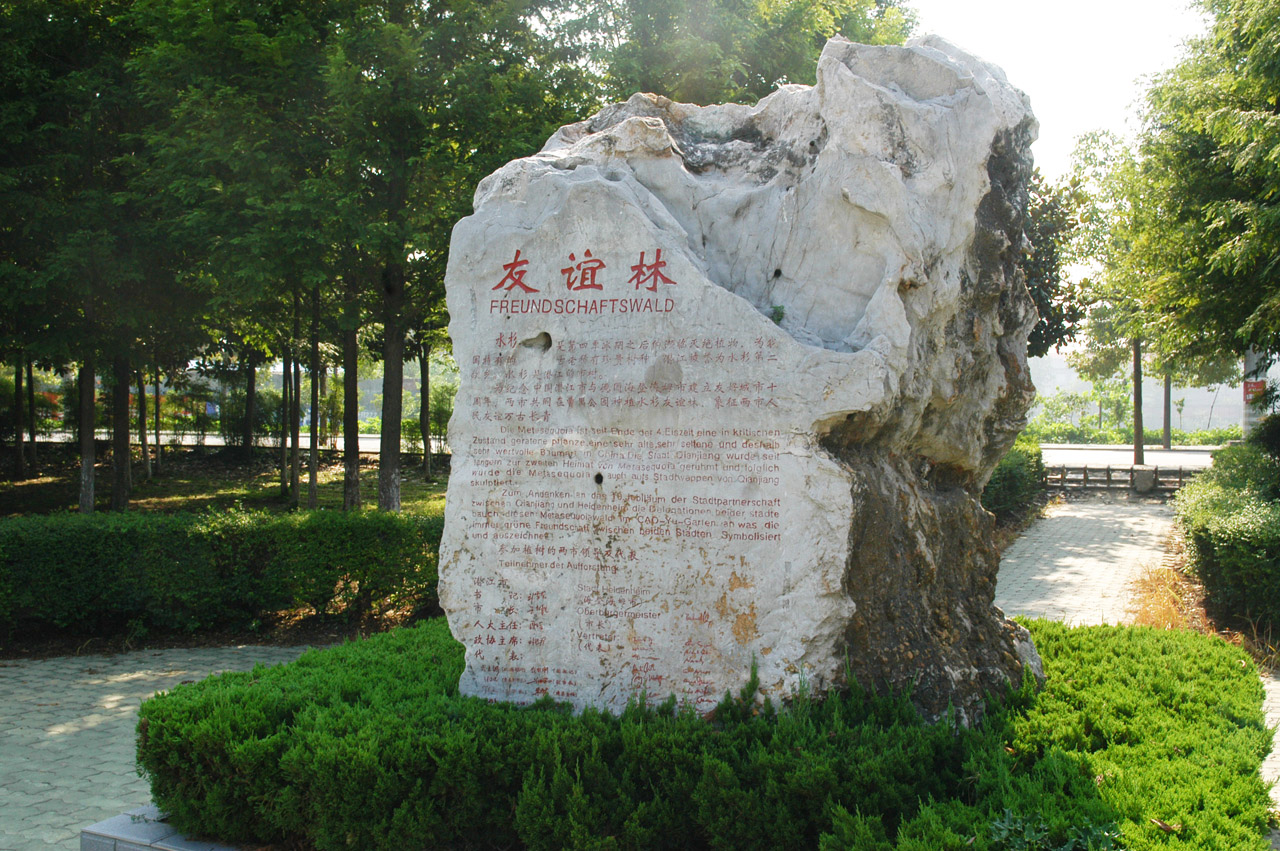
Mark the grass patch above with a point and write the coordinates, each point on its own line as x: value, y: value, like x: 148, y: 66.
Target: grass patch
x: 1141, y: 739
x: 193, y: 479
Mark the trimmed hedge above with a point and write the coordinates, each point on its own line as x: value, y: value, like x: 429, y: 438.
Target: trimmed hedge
x: 1016, y: 481
x: 1231, y: 518
x: 102, y: 572
x: 1041, y: 430
x: 369, y: 746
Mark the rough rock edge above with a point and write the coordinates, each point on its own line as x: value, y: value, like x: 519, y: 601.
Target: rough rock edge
x: 907, y: 585
x: 922, y: 600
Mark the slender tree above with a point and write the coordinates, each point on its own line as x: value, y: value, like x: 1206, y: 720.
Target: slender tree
x: 31, y: 410
x: 142, y: 423
x: 19, y: 454
x: 85, y: 382
x: 1199, y: 237
x: 425, y: 101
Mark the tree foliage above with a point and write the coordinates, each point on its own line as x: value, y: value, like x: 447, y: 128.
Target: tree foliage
x: 1051, y: 222
x: 719, y: 51
x: 1206, y: 185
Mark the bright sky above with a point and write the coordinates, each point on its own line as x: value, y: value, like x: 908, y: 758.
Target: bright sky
x: 1080, y: 62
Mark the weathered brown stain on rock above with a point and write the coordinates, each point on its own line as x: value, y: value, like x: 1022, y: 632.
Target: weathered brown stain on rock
x: 744, y: 626
x: 923, y: 561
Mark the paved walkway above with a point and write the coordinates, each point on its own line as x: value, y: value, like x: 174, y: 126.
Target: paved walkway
x: 67, y: 735
x: 1076, y: 565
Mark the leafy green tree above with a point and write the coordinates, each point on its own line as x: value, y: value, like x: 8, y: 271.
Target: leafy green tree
x: 1208, y: 176
x: 425, y: 100
x: 239, y: 161
x: 75, y: 255
x: 1051, y: 222
x: 728, y: 50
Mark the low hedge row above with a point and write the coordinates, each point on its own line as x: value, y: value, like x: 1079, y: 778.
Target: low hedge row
x: 1016, y: 481
x: 1230, y: 516
x: 370, y: 746
x: 100, y: 573
x: 1052, y: 431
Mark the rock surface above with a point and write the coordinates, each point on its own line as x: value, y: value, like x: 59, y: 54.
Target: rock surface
x: 732, y: 380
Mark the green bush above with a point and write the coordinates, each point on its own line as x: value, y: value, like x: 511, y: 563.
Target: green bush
x: 1016, y: 481
x: 266, y: 416
x: 1266, y: 435
x: 411, y: 436
x: 443, y: 394
x: 1231, y: 518
x: 1244, y: 467
x: 369, y: 746
x: 1042, y: 430
x: 94, y: 574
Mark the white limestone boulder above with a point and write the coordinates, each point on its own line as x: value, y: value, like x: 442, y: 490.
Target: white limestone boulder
x: 732, y: 380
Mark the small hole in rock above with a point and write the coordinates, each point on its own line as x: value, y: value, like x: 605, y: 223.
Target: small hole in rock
x: 777, y: 273
x: 599, y: 478
x: 542, y: 342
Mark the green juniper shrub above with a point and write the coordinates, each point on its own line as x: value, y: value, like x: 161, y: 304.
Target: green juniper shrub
x: 96, y: 574
x: 369, y: 745
x: 1016, y: 481
x: 1231, y: 518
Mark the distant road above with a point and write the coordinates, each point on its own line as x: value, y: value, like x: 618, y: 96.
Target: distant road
x: 368, y: 442
x: 1188, y: 457
x: 1055, y: 454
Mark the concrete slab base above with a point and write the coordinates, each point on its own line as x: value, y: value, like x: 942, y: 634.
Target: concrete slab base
x: 141, y: 829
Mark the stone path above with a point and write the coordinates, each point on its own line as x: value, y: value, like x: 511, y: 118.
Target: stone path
x: 1076, y: 564
x: 67, y: 735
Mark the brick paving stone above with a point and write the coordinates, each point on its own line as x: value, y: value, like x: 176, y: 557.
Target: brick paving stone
x: 67, y: 740
x: 1076, y: 563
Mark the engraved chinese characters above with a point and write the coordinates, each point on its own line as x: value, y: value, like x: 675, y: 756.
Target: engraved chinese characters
x: 585, y: 520
x: 579, y: 277
x: 732, y: 378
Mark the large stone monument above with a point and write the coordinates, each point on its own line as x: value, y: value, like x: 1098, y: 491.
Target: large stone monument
x: 732, y: 380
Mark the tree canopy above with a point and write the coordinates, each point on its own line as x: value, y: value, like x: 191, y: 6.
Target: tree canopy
x: 717, y: 51
x: 1203, y: 232
x: 232, y: 182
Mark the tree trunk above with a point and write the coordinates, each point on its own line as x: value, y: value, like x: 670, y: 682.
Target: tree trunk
x: 31, y: 411
x: 324, y: 407
x: 392, y: 387
x: 250, y: 402
x: 87, y: 392
x: 159, y: 445
x: 350, y: 403
x: 286, y: 384
x: 1138, y: 456
x: 1168, y: 411
x: 424, y: 407
x: 120, y: 434
x: 313, y: 460
x: 142, y: 426
x: 295, y: 421
x: 19, y: 451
